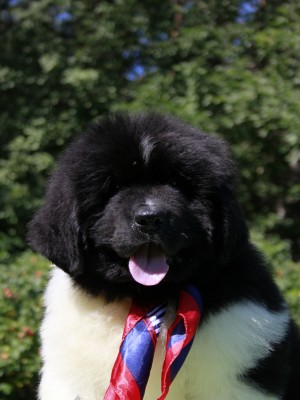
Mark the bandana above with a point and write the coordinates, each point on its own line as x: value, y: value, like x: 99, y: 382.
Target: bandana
x: 132, y: 367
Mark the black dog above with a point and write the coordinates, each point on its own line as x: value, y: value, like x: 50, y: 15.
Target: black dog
x: 139, y: 206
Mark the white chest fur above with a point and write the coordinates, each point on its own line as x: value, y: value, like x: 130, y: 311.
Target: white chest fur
x: 81, y: 337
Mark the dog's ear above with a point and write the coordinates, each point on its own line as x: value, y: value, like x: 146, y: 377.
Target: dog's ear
x: 228, y: 224
x: 54, y: 230
x: 231, y: 231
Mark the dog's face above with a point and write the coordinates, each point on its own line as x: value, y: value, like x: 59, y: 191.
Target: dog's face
x: 142, y: 203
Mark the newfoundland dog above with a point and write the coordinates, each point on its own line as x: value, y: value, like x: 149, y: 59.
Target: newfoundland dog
x: 138, y: 207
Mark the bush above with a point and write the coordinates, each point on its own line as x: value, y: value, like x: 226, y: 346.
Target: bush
x: 21, y: 285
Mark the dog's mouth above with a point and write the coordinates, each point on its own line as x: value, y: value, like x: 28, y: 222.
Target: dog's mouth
x: 148, y: 264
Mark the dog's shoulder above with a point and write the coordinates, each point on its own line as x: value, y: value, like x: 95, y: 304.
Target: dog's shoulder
x: 80, y: 340
x: 232, y: 342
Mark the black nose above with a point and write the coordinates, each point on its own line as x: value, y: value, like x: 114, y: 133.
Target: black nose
x: 149, y: 220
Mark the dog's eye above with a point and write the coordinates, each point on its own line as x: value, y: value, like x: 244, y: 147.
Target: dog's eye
x: 174, y: 183
x: 114, y: 185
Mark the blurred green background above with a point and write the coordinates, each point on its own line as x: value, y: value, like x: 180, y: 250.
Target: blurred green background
x: 229, y: 67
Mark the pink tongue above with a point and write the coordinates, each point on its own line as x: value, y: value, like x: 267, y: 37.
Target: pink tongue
x: 148, y: 265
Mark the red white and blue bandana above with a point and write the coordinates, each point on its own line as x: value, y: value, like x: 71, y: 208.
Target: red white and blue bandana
x: 132, y: 367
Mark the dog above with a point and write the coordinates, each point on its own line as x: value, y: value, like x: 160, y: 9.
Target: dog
x: 137, y: 207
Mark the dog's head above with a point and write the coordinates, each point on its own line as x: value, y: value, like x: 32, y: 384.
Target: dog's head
x: 141, y: 201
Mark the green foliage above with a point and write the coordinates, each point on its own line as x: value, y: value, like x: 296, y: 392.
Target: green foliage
x: 219, y: 65
x: 21, y: 284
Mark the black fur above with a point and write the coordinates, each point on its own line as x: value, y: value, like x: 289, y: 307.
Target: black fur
x: 90, y: 223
